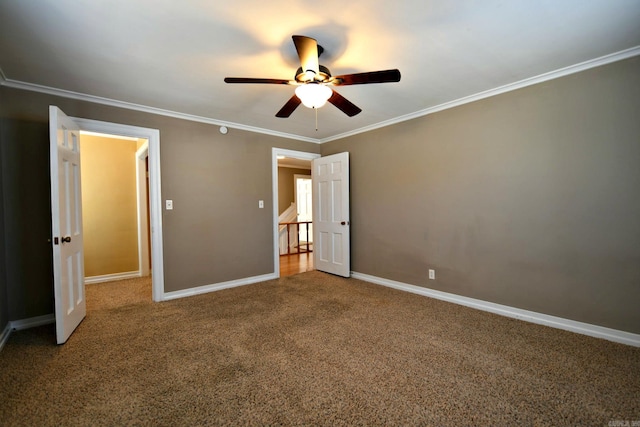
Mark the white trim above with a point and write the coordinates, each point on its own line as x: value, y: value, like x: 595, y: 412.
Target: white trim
x: 18, y: 325
x: 4, y: 336
x: 218, y: 286
x: 284, y: 165
x: 572, y: 69
x: 155, y: 196
x: 142, y: 209
x: 582, y: 66
x: 104, y: 135
x: 111, y: 277
x: 275, y: 152
x: 16, y: 84
x: 596, y: 331
x: 32, y: 322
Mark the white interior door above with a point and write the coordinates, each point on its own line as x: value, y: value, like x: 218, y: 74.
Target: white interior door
x: 330, y: 177
x: 66, y: 214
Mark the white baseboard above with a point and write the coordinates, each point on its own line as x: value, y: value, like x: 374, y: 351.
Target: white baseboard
x: 111, y: 277
x: 32, y: 322
x: 4, y: 336
x: 18, y: 325
x: 596, y: 331
x: 217, y: 286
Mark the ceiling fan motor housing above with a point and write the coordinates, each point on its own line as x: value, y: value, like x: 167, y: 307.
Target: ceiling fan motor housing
x: 324, y: 75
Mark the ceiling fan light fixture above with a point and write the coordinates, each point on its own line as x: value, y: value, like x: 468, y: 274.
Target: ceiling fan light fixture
x: 313, y: 95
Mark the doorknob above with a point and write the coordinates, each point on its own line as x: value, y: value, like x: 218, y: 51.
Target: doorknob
x: 344, y: 223
x: 66, y: 239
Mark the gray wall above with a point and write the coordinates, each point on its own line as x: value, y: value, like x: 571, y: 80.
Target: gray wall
x: 529, y: 199
x: 27, y: 218
x: 4, y: 306
x: 214, y: 234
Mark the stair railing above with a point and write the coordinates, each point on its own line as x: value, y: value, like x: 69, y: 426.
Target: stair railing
x: 296, y: 236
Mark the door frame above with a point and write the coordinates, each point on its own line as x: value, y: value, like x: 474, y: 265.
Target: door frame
x: 275, y: 152
x: 155, y: 198
x: 142, y: 208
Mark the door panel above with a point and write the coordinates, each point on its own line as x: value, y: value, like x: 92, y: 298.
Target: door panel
x: 323, y: 192
x: 337, y: 212
x: 338, y: 244
x: 66, y: 224
x: 331, y: 214
x: 324, y: 247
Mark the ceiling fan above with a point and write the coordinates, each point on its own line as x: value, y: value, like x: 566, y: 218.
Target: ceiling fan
x: 313, y: 81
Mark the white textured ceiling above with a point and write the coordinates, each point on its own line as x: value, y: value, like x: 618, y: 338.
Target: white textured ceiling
x: 173, y: 55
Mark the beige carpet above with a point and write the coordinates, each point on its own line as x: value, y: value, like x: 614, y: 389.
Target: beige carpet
x: 310, y: 349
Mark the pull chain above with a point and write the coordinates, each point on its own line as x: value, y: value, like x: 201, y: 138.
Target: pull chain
x: 316, y: 118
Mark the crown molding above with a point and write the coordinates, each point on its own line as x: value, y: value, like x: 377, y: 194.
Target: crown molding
x: 572, y: 69
x: 15, y: 84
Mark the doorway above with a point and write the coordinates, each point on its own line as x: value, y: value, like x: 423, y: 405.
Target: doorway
x: 302, y: 260
x: 115, y: 207
x: 150, y: 156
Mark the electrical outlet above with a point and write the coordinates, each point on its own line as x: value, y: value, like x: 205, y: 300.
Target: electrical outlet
x: 261, y: 204
x: 432, y: 274
x: 169, y: 205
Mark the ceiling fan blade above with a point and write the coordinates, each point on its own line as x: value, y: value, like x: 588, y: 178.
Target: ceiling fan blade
x: 289, y: 107
x: 307, y: 52
x: 385, y: 76
x: 252, y: 80
x: 344, y: 105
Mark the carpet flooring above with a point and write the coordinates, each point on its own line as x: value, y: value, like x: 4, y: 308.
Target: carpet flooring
x: 310, y: 349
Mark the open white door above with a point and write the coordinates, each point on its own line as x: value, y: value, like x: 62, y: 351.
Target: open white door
x: 66, y: 226
x: 330, y: 177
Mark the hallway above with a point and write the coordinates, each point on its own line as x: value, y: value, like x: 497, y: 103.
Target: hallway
x: 296, y: 263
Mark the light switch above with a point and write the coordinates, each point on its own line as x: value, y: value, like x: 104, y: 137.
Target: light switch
x: 261, y: 204
x: 169, y: 205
